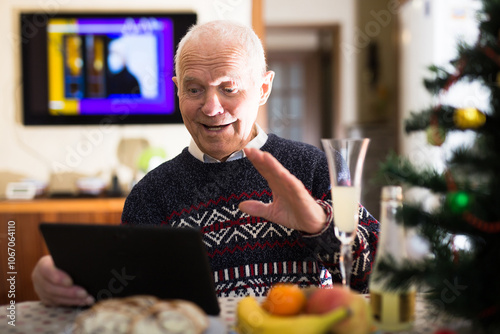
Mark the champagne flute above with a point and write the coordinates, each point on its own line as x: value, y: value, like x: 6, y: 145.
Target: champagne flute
x: 345, y: 163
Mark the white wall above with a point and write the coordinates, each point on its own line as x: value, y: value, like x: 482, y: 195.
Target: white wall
x: 324, y: 12
x: 417, y: 53
x: 39, y: 151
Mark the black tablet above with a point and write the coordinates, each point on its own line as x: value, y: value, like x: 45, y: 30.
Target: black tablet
x: 123, y: 260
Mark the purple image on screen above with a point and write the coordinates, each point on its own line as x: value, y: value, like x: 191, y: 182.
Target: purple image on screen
x: 157, y: 94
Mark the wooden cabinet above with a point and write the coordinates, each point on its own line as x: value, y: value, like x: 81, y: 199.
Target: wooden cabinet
x: 23, y: 217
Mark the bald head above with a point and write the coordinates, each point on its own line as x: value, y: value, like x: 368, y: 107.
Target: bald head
x: 216, y: 36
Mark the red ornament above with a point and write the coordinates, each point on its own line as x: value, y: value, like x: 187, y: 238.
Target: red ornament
x: 435, y: 135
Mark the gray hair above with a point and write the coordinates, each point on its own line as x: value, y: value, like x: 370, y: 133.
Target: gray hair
x: 225, y: 30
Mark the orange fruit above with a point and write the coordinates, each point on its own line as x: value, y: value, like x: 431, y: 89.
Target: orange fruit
x: 284, y: 299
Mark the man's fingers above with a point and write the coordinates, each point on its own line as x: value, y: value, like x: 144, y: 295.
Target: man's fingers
x: 51, y: 294
x: 61, y: 301
x: 67, y: 301
x: 272, y: 170
x: 254, y: 208
x: 264, y: 162
x: 57, y: 295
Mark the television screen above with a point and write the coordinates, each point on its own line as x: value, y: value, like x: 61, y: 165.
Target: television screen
x: 100, y: 68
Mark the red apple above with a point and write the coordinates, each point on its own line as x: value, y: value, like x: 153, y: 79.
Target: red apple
x: 323, y: 301
x: 326, y: 300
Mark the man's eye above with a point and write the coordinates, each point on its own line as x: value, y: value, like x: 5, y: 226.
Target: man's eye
x: 230, y: 90
x: 193, y: 91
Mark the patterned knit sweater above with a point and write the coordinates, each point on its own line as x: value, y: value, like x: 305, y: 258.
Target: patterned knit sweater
x: 249, y: 254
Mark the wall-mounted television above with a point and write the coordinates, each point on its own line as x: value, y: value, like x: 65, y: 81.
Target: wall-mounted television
x: 93, y: 68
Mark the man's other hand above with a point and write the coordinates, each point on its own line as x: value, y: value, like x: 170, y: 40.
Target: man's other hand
x: 55, y: 287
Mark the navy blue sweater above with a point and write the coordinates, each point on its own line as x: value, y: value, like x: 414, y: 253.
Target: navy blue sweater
x: 249, y: 254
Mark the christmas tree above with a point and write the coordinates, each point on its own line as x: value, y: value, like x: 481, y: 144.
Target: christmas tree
x: 461, y: 282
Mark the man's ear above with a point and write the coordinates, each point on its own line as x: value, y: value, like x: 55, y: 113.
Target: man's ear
x: 176, y: 82
x: 267, y: 85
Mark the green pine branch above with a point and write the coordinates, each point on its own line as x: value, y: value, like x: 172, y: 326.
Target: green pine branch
x: 478, y: 66
x: 422, y: 120
x: 489, y: 23
x: 473, y: 182
x: 475, y: 166
x: 464, y: 157
x: 440, y: 77
x: 473, y: 63
x: 398, y: 170
x: 436, y: 225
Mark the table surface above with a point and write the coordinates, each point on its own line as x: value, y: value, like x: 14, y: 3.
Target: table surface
x: 34, y: 317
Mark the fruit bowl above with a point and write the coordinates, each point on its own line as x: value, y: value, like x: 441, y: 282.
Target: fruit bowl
x: 253, y: 319
x: 334, y: 310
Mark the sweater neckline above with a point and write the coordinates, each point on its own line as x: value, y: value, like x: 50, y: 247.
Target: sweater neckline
x: 266, y: 147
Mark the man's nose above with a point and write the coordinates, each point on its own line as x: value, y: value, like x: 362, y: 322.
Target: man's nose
x: 212, y: 105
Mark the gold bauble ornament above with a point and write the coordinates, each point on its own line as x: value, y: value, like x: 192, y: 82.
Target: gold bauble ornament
x: 468, y: 118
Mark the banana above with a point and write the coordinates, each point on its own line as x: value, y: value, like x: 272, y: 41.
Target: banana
x: 253, y: 319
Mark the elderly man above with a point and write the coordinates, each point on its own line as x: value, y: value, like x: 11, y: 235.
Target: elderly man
x: 262, y: 202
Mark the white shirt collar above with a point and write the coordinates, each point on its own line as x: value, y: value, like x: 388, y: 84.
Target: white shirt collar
x: 257, y: 142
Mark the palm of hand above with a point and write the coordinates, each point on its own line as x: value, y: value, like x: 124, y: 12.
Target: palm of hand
x: 292, y: 205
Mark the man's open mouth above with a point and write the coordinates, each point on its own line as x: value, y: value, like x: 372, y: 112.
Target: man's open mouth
x: 215, y: 127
